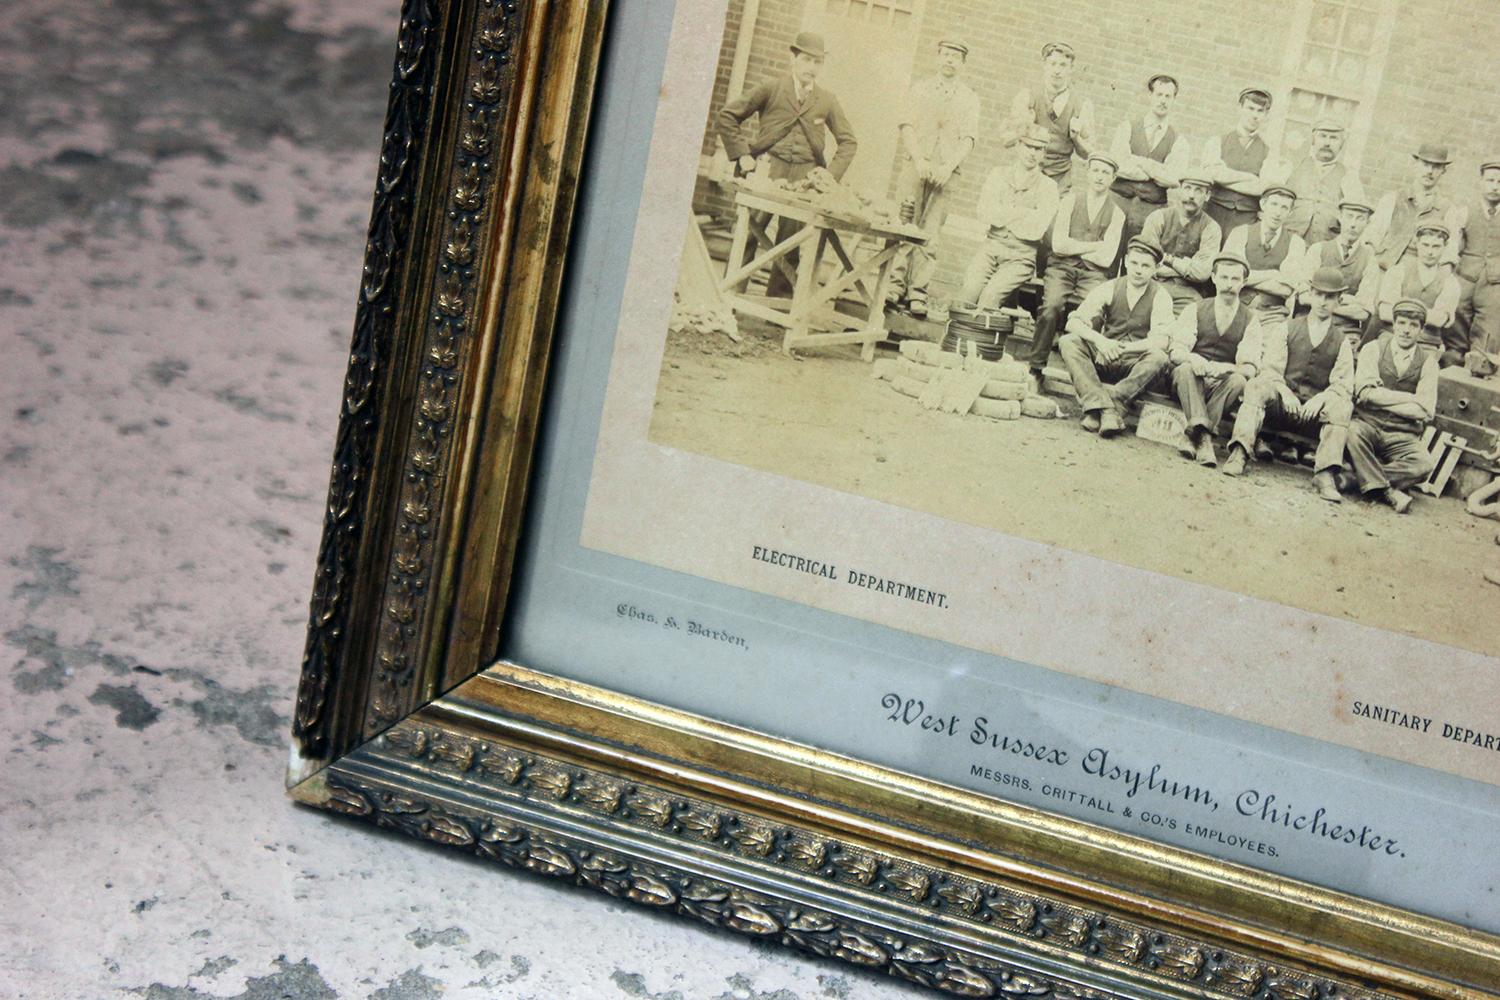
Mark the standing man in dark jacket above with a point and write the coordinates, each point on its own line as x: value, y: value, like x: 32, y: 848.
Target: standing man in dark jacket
x: 795, y: 117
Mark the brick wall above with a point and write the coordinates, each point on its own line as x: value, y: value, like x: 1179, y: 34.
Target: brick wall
x: 1432, y: 87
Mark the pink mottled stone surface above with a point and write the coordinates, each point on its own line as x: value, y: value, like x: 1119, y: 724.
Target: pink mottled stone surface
x: 184, y: 186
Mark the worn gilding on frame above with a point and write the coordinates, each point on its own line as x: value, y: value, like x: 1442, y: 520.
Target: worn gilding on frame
x: 970, y: 896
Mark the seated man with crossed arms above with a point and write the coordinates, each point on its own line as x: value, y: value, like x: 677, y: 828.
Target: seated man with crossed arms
x: 1312, y: 391
x: 1118, y: 332
x: 1395, y: 395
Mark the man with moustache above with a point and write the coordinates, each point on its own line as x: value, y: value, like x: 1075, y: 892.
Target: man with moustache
x: 1067, y: 118
x: 1015, y: 205
x: 1216, y: 348
x: 1479, y: 273
x: 1395, y: 396
x: 1355, y: 261
x: 1118, y: 334
x: 1393, y: 229
x: 1189, y: 239
x: 795, y: 113
x: 1427, y: 279
x: 1312, y: 392
x: 1085, y: 242
x: 1275, y: 254
x: 1237, y: 164
x: 1151, y: 154
x: 938, y: 128
x: 1321, y: 180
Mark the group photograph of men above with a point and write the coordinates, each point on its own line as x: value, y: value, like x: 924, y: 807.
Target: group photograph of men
x: 1295, y: 314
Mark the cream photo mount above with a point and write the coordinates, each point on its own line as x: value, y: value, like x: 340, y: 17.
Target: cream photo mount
x: 406, y: 717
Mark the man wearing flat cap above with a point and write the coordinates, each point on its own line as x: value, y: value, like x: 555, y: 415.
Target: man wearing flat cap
x: 1311, y: 393
x: 1238, y: 163
x: 1118, y: 335
x: 1321, y: 180
x: 1479, y: 273
x: 1067, y: 118
x: 1216, y: 348
x: 1275, y: 254
x: 796, y: 115
x: 1188, y: 239
x: 1086, y: 236
x: 1355, y: 261
x: 1395, y: 397
x: 939, y: 125
x: 1393, y: 229
x: 1151, y: 153
x: 1424, y: 277
x: 1015, y: 205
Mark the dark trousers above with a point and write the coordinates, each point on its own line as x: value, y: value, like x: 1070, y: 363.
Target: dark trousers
x: 1478, y: 315
x: 1065, y: 283
x: 1205, y: 400
x: 1384, y: 459
x: 778, y: 285
x: 1129, y: 375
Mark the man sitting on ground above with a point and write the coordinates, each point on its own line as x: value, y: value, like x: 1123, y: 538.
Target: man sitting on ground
x: 1216, y: 349
x: 1311, y: 392
x: 1395, y: 395
x: 1119, y: 333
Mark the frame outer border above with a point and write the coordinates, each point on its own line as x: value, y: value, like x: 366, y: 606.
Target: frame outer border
x: 479, y: 168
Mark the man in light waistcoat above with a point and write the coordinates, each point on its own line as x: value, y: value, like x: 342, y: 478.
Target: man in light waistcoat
x: 1321, y: 180
x: 1016, y: 204
x: 938, y: 126
x: 1393, y: 230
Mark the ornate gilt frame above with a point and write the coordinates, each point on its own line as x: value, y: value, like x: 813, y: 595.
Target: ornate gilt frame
x: 397, y: 722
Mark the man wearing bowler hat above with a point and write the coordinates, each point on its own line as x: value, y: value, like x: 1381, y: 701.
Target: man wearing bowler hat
x: 1321, y: 181
x: 1085, y: 244
x: 1189, y: 240
x: 1216, y: 348
x: 1427, y: 279
x: 1395, y: 397
x: 1393, y: 229
x: 1015, y: 205
x: 938, y: 126
x: 1119, y: 334
x: 796, y: 115
x: 1237, y: 164
x: 1067, y: 118
x: 1311, y: 393
x: 1479, y: 272
x: 1355, y: 261
x: 1151, y: 153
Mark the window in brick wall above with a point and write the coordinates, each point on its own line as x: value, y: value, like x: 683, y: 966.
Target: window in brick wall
x: 1332, y: 69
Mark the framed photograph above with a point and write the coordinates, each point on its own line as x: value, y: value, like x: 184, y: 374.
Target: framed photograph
x: 996, y: 493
